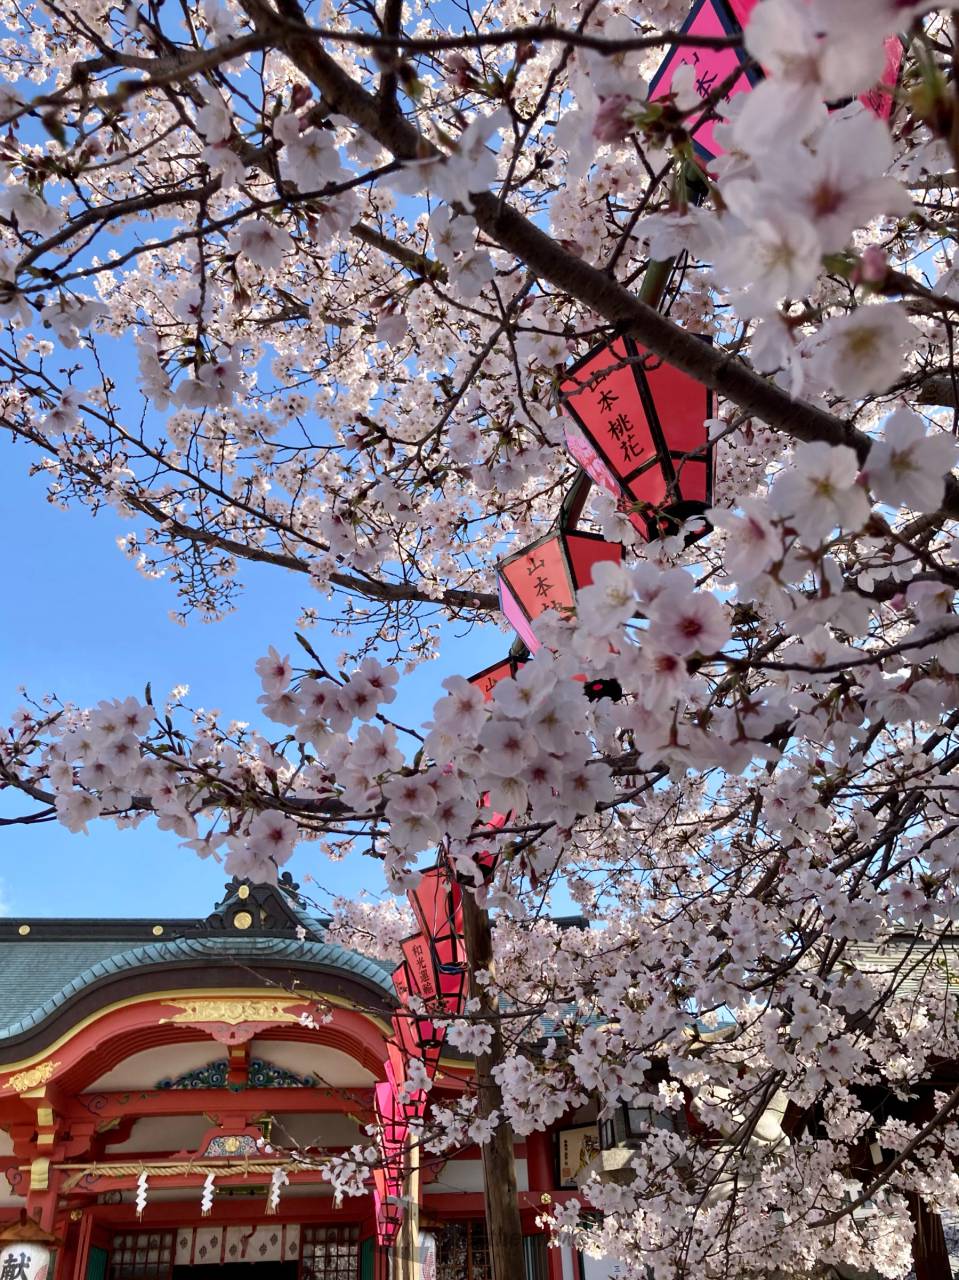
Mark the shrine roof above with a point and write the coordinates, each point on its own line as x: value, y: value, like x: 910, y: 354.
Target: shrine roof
x: 46, y: 964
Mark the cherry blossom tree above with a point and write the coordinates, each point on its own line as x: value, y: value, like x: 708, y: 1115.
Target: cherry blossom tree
x: 349, y: 250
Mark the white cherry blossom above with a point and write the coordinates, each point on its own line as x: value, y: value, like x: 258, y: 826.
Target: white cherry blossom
x: 818, y: 492
x: 262, y: 242
x: 864, y: 350
x: 908, y: 465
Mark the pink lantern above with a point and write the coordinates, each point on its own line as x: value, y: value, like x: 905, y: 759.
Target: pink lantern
x: 486, y: 859
x: 881, y: 100
x: 638, y: 427
x: 437, y: 903
x: 419, y: 964
x: 393, y: 1127
x: 741, y: 9
x: 714, y: 66
x: 419, y: 1037
x: 547, y: 575
x: 487, y: 679
x: 437, y: 970
x: 387, y: 1206
x: 415, y: 1102
x: 427, y: 1049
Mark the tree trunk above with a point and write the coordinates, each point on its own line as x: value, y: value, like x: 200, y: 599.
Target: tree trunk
x: 503, y: 1226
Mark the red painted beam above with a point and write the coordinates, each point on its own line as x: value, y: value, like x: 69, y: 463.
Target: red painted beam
x: 470, y: 1203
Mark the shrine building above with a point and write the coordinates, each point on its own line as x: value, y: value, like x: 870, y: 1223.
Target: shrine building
x: 155, y: 1074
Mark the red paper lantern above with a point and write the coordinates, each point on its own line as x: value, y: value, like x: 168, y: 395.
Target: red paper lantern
x: 487, y: 679
x: 419, y: 1036
x: 420, y: 967
x: 437, y: 903
x: 386, y: 1232
x: 486, y: 859
x: 404, y: 1033
x: 637, y: 427
x: 392, y: 1125
x: 436, y: 970
x: 451, y: 977
x: 387, y: 1206
x: 547, y: 575
x: 415, y: 1103
x: 714, y: 67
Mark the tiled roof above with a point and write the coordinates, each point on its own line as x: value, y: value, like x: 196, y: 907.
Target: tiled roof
x: 40, y: 975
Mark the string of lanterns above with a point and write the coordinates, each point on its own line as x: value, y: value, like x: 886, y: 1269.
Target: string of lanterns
x: 636, y: 425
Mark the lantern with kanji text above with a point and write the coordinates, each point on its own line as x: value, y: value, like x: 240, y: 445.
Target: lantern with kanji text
x: 637, y: 426
x: 26, y: 1249
x: 547, y: 574
x: 487, y: 679
x: 418, y: 1034
x: 729, y: 69
x: 418, y: 956
x: 712, y: 68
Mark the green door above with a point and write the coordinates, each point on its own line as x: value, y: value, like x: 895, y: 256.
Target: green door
x: 96, y: 1263
x: 367, y: 1259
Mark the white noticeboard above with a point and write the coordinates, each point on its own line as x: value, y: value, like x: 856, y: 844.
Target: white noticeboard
x: 427, y: 1256
x: 600, y: 1268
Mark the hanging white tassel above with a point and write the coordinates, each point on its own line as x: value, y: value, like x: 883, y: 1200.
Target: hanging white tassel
x: 278, y: 1179
x: 206, y: 1199
x: 141, y: 1193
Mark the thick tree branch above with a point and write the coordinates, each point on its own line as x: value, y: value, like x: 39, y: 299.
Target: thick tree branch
x: 547, y: 259
x: 527, y: 34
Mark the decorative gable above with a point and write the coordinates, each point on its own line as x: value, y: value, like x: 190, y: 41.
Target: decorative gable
x: 262, y: 1075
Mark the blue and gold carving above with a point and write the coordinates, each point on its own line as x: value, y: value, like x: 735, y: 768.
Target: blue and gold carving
x: 262, y: 1075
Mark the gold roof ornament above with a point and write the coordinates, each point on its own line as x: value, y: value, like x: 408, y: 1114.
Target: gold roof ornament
x: 32, y: 1077
x: 235, y: 1010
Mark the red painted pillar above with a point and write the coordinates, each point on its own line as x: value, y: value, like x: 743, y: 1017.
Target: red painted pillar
x: 539, y: 1162
x: 542, y: 1181
x: 77, y: 1263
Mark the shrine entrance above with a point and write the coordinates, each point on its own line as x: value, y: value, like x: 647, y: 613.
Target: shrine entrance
x: 314, y: 1251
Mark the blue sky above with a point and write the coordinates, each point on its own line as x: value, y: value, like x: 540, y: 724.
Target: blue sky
x: 81, y: 622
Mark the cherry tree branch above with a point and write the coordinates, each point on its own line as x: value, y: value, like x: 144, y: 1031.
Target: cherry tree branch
x: 547, y: 259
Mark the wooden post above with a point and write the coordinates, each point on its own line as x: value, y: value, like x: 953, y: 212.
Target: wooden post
x: 504, y: 1228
